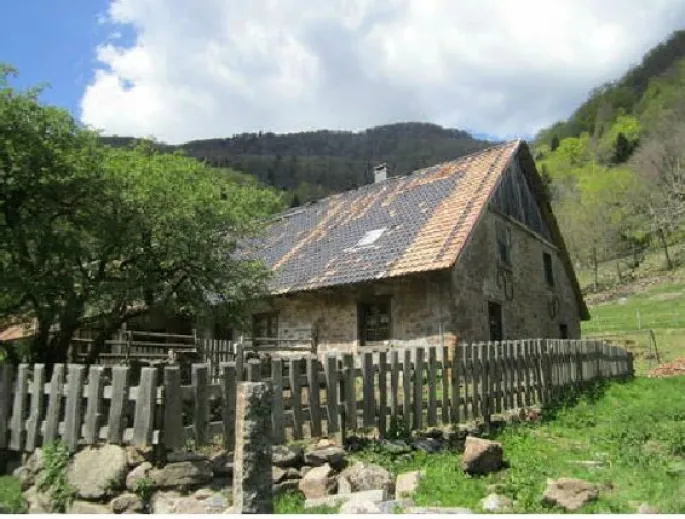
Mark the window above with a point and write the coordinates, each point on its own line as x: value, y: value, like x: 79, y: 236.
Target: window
x: 563, y: 331
x: 370, y: 237
x: 503, y: 243
x: 264, y: 326
x: 549, y: 274
x: 374, y: 320
x: 495, y: 321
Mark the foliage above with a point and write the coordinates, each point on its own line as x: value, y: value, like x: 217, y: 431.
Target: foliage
x: 293, y: 503
x: 101, y: 235
x: 311, y: 165
x: 144, y: 488
x: 53, y: 479
x: 11, y: 499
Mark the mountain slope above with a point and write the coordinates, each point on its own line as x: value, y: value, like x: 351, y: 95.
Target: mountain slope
x: 313, y: 164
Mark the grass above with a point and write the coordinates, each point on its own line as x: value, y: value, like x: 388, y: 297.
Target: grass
x: 637, y: 429
x: 11, y: 500
x: 293, y: 503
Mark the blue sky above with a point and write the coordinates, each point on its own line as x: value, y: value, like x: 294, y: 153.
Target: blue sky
x: 54, y: 41
x: 179, y: 70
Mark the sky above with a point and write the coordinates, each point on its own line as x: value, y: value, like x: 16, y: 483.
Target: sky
x: 179, y: 70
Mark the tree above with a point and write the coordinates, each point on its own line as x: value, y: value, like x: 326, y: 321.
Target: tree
x: 99, y: 235
x: 555, y: 142
x: 660, y: 162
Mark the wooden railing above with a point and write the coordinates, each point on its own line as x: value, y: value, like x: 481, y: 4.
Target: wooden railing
x: 420, y: 387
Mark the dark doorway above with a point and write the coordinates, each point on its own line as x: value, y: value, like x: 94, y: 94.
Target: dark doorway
x: 563, y: 331
x: 495, y: 320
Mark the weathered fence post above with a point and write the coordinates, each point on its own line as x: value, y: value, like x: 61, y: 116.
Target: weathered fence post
x: 252, y: 478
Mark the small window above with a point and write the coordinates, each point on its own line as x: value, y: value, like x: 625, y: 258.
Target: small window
x: 563, y: 331
x: 549, y: 274
x: 370, y: 237
x: 374, y: 320
x: 503, y: 244
x: 495, y: 321
x: 264, y: 327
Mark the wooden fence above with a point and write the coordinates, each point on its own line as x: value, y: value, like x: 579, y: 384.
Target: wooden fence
x: 417, y: 387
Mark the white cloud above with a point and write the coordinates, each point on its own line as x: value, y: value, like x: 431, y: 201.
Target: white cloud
x: 212, y: 68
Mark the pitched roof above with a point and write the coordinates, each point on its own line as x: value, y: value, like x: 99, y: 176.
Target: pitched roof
x: 422, y: 222
x: 403, y: 225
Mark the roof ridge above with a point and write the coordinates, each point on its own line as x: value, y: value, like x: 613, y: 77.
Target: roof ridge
x: 297, y: 210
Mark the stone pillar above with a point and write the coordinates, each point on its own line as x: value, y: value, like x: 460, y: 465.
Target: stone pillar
x: 252, y: 479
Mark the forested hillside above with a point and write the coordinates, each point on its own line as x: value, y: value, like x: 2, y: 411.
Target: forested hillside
x: 614, y: 167
x: 309, y: 165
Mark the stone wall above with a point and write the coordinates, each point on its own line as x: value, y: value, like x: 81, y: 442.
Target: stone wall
x: 417, y: 313
x: 527, y: 314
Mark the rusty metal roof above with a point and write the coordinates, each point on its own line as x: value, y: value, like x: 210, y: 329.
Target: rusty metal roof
x: 427, y: 217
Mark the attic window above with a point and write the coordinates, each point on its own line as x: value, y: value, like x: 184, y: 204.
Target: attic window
x: 370, y: 237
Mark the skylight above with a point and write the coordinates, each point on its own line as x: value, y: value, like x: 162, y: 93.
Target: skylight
x: 370, y: 237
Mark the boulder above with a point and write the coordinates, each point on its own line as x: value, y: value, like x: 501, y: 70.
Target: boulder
x: 84, y: 507
x: 28, y: 471
x: 395, y: 446
x: 183, y: 475
x: 222, y: 464
x: 645, y: 508
x: 334, y: 456
x: 203, y: 493
x: 127, y: 503
x: 496, y: 503
x: 407, y: 483
x: 180, y: 457
x: 98, y: 472
x: 325, y: 442
x: 286, y: 456
x: 360, y: 507
x: 318, y: 482
x: 364, y: 476
x: 481, y: 456
x: 569, y: 493
x: 373, y: 496
x: 142, y: 471
x: 429, y: 445
x: 292, y: 473
x: 38, y: 502
x: 278, y: 474
x: 173, y: 502
x: 137, y: 455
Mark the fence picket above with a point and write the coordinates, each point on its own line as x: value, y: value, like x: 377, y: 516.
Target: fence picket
x: 54, y: 404
x: 508, y: 375
x: 314, y: 401
x: 37, y: 394
x: 432, y: 415
x: 472, y: 381
x: 485, y: 350
x: 228, y: 391
x: 369, y: 404
x: 479, y: 393
x: 497, y: 371
x: 445, y: 372
x: 19, y: 408
x: 277, y: 415
x: 406, y: 389
x: 91, y: 426
x: 456, y: 374
x: 143, y: 418
x: 72, y: 412
x: 173, y: 437
x: 119, y: 399
x: 418, y: 389
x: 332, y: 394
x: 382, y: 393
x: 394, y: 386
x: 6, y: 379
x: 296, y: 399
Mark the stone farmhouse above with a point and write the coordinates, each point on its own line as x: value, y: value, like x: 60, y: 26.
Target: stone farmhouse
x: 465, y: 250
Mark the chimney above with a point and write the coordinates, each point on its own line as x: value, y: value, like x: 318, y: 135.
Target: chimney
x: 380, y: 173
